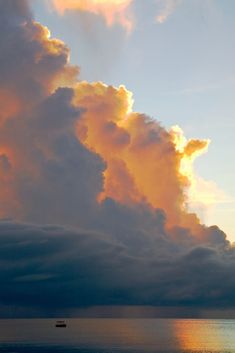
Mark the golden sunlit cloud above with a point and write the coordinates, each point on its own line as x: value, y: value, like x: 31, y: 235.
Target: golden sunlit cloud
x: 201, y: 194
x: 165, y: 177
x: 114, y: 11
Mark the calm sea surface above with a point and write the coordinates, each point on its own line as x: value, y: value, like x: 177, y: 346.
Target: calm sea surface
x: 117, y: 335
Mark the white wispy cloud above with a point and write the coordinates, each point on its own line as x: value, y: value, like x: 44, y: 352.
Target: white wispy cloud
x: 166, y: 8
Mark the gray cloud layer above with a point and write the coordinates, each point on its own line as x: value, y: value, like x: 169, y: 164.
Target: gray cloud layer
x: 51, y: 267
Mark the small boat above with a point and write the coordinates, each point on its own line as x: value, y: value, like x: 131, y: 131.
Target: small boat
x: 60, y: 323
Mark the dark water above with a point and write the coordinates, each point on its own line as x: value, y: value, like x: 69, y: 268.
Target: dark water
x: 118, y: 335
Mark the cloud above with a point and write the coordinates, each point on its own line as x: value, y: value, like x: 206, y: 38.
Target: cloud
x: 37, y: 262
x: 166, y: 9
x: 113, y: 11
x: 96, y: 191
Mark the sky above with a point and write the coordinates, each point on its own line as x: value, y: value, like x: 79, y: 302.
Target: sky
x: 178, y: 60
x: 116, y: 182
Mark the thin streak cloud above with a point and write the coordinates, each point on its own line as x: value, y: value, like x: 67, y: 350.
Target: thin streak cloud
x: 166, y: 9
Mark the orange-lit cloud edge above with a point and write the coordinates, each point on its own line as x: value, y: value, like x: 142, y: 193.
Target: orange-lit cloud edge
x: 113, y: 11
x: 145, y: 163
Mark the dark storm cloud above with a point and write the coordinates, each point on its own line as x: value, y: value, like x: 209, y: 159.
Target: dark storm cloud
x: 51, y: 267
x: 55, y: 171
x: 45, y: 166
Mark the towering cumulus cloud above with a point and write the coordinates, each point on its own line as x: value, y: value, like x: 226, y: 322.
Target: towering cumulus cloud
x: 114, y: 11
x: 93, y: 196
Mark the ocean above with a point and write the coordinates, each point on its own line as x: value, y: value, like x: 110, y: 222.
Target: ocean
x: 118, y: 336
